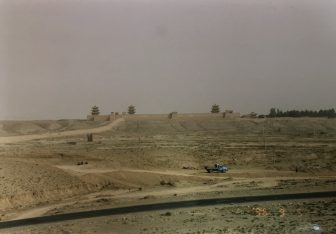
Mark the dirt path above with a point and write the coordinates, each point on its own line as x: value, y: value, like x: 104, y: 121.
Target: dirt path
x: 225, y: 185
x: 254, y: 174
x: 15, y: 139
x: 86, y: 170
x: 133, y: 195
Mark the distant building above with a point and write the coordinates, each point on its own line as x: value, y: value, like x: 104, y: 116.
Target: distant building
x: 99, y: 117
x: 172, y: 115
x: 230, y: 114
x: 110, y: 117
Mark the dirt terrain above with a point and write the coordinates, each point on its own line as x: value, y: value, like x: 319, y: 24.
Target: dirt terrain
x: 18, y: 128
x: 310, y: 216
x: 50, y: 169
x: 101, y: 127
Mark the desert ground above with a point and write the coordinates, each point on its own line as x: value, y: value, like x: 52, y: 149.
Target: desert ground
x: 49, y: 167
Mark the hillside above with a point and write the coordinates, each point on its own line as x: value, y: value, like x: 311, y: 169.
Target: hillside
x: 274, y: 126
x: 16, y: 128
x: 152, y: 158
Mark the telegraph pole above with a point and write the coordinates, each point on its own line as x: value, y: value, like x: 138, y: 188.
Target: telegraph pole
x: 264, y: 137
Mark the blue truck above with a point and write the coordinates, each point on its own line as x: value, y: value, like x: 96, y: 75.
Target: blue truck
x: 217, y: 168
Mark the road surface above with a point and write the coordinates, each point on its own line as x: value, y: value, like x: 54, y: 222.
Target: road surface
x: 162, y: 206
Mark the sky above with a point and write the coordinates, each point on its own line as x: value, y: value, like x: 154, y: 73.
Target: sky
x: 58, y: 58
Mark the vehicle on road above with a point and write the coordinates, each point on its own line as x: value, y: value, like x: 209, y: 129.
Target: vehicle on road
x: 217, y: 168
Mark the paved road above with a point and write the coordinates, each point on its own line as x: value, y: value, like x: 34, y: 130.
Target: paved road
x: 161, y: 206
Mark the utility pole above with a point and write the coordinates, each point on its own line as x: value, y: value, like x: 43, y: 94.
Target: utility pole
x: 139, y: 140
x: 314, y: 131
x: 264, y: 137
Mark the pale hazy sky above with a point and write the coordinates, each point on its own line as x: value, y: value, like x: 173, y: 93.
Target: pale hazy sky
x: 60, y: 57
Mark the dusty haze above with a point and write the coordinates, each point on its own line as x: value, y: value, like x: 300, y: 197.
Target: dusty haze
x: 58, y: 58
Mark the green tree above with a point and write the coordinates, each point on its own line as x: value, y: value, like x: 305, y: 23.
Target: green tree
x: 330, y: 113
x: 215, y: 108
x: 95, y: 110
x: 272, y: 113
x: 131, y: 110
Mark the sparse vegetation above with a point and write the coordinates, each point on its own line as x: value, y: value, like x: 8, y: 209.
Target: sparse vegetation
x: 169, y: 183
x: 152, y: 162
x: 168, y: 213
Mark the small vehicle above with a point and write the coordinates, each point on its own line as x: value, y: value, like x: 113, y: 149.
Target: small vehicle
x: 217, y: 168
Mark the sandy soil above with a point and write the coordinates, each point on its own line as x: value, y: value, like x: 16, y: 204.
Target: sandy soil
x: 18, y: 128
x: 141, y: 160
x: 284, y: 217
x: 15, y: 139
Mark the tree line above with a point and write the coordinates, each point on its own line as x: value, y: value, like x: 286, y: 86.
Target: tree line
x: 329, y: 113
